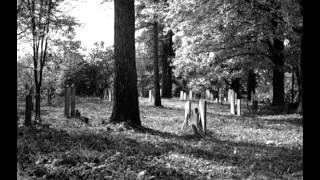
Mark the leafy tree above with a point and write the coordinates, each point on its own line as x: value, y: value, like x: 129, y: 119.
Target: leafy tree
x: 125, y: 104
x: 40, y: 19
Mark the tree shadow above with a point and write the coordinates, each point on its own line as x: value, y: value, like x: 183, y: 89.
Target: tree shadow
x: 251, y: 157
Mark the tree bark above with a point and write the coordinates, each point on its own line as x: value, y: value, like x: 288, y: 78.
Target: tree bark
x: 157, y: 98
x: 251, y: 84
x: 278, y: 73
x: 300, y: 79
x: 38, y: 100
x: 166, y: 68
x: 125, y: 104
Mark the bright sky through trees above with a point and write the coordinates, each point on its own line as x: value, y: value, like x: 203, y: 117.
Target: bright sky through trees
x: 96, y: 19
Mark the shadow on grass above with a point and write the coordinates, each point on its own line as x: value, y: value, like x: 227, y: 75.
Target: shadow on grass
x: 274, y: 161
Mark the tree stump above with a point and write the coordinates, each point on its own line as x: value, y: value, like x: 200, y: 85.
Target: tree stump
x: 203, y: 114
x: 73, y: 101
x: 28, y: 110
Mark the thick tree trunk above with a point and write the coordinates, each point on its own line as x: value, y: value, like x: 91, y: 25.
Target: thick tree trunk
x: 166, y: 68
x: 300, y: 79
x: 125, y: 104
x: 28, y: 110
x: 157, y: 98
x: 278, y: 73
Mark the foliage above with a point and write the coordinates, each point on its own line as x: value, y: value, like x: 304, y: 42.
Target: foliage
x: 93, y: 75
x: 219, y: 40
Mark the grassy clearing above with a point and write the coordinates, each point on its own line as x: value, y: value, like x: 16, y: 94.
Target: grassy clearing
x: 246, y: 147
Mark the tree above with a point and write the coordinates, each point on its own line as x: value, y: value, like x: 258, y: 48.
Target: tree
x: 40, y: 18
x: 125, y: 104
x: 157, y: 98
x: 167, y: 52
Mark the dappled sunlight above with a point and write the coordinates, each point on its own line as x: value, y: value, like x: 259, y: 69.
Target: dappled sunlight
x: 234, y: 147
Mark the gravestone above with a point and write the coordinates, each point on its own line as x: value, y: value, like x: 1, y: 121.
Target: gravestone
x: 109, y: 95
x: 238, y: 107
x: 184, y: 96
x: 207, y: 94
x: 150, y: 96
x: 190, y: 95
x: 203, y: 114
x: 187, y: 114
x: 181, y: 95
x: 231, y: 100
x: 160, y: 92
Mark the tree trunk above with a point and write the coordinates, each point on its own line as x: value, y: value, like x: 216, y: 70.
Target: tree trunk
x: 166, y: 68
x: 292, y: 85
x: 157, y: 98
x: 28, y: 111
x: 38, y: 100
x: 251, y: 84
x: 278, y: 73
x: 125, y: 104
x: 300, y: 79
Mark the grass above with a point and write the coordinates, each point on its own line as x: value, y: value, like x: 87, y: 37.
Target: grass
x: 252, y: 146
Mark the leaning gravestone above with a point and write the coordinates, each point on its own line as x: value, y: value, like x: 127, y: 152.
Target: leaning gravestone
x: 187, y: 114
x: 203, y: 114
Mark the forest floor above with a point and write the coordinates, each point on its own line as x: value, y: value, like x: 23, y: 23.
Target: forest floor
x: 251, y: 146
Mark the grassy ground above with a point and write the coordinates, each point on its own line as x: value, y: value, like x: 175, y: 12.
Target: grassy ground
x: 253, y: 146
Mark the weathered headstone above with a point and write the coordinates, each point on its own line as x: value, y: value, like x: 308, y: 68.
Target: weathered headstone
x: 181, y: 95
x: 203, y: 114
x: 187, y: 114
x: 232, y: 102
x: 184, y: 96
x: 160, y: 92
x: 28, y: 110
x: 220, y: 95
x: 109, y: 95
x: 73, y: 100
x: 238, y: 107
x: 150, y: 96
x: 190, y: 95
x: 207, y: 94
